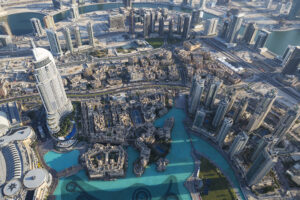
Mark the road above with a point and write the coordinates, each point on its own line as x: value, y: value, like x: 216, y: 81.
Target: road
x: 262, y: 75
x: 124, y: 88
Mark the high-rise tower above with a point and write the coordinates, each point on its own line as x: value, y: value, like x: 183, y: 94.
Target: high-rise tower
x: 285, y: 124
x: 220, y: 113
x: 67, y: 35
x: 91, y: 34
x: 292, y: 61
x: 262, y: 110
x: 261, y: 166
x: 262, y: 144
x: 37, y: 27
x: 170, y: 34
x: 226, y: 125
x: 261, y: 39
x: 211, y: 26
x: 146, y: 24
x: 238, y: 144
x: 238, y: 113
x: 179, y: 24
x: 131, y: 22
x: 199, y: 119
x: 186, y: 27
x: 161, y: 26
x: 250, y: 33
x: 234, y: 28
x: 78, y: 36
x: 54, y: 42
x: 51, y: 89
x: 196, y: 93
x: 213, y: 88
x: 232, y: 97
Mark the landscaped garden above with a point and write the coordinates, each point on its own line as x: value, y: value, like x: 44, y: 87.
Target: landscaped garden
x: 215, y: 184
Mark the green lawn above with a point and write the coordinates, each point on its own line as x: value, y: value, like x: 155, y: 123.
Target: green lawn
x: 155, y: 42
x: 219, y: 187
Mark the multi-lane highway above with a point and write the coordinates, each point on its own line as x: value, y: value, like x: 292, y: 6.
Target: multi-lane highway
x: 105, y: 91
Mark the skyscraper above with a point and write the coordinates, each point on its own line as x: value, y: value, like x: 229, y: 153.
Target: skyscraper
x: 232, y: 97
x: 262, y: 110
x: 234, y: 27
x: 67, y: 35
x: 199, y: 119
x: 131, y: 22
x: 161, y: 26
x: 179, y: 24
x: 186, y: 27
x: 77, y: 36
x: 127, y: 3
x: 74, y: 12
x: 261, y: 39
x: 54, y: 42
x: 243, y: 104
x: 226, y: 125
x: 250, y: 33
x: 269, y: 4
x: 262, y: 144
x: 214, y: 86
x: 224, y: 29
x: 285, y: 124
x: 211, y: 26
x: 202, y: 4
x: 49, y: 22
x: 146, y: 24
x: 152, y: 22
x: 292, y: 61
x: 57, y: 4
x: 261, y: 166
x: 295, y: 10
x: 238, y: 144
x: 51, y: 89
x: 91, y: 34
x: 195, y: 17
x: 37, y: 27
x: 170, y: 34
x: 220, y: 113
x: 196, y: 93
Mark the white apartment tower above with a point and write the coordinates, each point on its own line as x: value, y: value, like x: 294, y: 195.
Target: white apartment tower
x: 51, y: 89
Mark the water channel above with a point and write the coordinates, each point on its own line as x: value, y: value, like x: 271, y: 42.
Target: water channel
x: 152, y: 184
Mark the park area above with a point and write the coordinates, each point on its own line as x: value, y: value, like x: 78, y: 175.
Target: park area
x: 155, y: 42
x: 215, y: 184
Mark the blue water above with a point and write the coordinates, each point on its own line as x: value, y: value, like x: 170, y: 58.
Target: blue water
x: 20, y: 23
x: 72, y: 133
x: 152, y: 184
x: 61, y: 161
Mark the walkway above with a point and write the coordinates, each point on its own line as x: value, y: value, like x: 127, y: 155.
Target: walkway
x: 69, y: 171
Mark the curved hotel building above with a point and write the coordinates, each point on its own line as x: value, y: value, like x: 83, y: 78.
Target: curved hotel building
x: 51, y: 89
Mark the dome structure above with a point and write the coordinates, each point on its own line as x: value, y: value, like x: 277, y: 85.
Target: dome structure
x: 4, y: 123
x: 12, y: 188
x: 35, y: 178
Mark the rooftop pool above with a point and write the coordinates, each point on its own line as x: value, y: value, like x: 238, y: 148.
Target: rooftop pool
x: 152, y: 184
